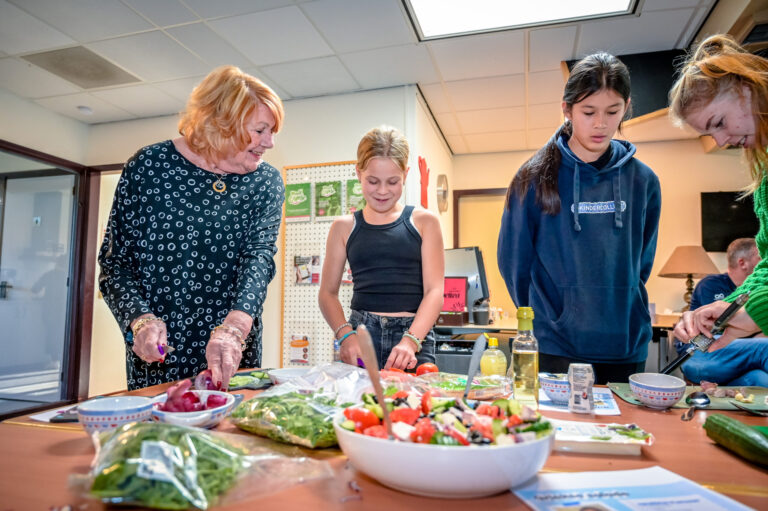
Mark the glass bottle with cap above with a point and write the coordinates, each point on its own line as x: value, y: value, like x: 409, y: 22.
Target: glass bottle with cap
x: 493, y: 360
x: 524, y: 369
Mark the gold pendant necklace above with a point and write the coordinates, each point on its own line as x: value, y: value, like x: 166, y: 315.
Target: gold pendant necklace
x: 219, y: 186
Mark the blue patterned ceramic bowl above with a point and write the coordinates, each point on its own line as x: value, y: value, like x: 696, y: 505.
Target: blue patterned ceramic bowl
x: 657, y: 390
x: 556, y: 387
x: 106, y: 413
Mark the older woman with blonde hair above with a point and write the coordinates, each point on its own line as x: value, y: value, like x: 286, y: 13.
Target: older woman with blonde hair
x: 722, y: 91
x: 189, y: 246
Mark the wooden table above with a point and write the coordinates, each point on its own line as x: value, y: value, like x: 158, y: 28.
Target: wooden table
x: 38, y: 459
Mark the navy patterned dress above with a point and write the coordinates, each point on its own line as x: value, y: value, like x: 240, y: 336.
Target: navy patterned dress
x: 176, y: 248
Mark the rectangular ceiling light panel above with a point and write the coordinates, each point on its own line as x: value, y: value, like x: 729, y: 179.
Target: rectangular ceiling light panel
x: 444, y: 18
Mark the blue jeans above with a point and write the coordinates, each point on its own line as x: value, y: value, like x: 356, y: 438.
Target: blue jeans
x: 744, y: 362
x: 387, y: 332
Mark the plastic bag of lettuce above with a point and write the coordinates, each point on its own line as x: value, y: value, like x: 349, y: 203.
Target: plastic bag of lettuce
x: 292, y: 418
x: 163, y: 466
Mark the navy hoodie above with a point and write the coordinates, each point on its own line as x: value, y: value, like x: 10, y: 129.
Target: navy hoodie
x: 584, y: 270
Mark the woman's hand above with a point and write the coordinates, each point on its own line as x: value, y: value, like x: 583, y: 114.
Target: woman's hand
x: 223, y: 354
x: 350, y: 350
x: 703, y: 319
x: 402, y: 356
x: 149, y: 338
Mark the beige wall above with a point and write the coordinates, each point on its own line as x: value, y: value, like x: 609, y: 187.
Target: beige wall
x: 684, y: 171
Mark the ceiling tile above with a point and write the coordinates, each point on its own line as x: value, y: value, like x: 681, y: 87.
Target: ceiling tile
x: 87, y: 20
x: 102, y: 111
x: 492, y: 120
x: 282, y: 94
x: 220, y: 8
x: 549, y: 46
x: 141, y: 100
x: 181, y: 88
x: 354, y: 25
x: 168, y: 59
x: 545, y: 87
x: 652, y: 31
x: 413, y: 66
x: 28, y: 81
x: 448, y: 124
x: 485, y: 93
x: 315, y: 77
x: 436, y: 98
x: 22, y: 33
x: 273, y: 36
x: 537, y: 138
x: 548, y: 116
x: 500, y: 53
x: 457, y: 144
x: 203, y: 41
x: 496, y: 142
x: 163, y: 13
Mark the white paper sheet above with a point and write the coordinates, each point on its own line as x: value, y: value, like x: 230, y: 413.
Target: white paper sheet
x: 621, y: 490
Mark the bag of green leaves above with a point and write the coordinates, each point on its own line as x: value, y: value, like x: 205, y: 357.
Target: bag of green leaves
x: 293, y: 418
x: 163, y: 466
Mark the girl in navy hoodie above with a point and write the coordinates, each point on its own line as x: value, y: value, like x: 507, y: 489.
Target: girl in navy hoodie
x: 579, y: 229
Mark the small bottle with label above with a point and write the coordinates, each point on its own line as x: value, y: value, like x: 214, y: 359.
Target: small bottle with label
x: 493, y: 360
x: 524, y: 369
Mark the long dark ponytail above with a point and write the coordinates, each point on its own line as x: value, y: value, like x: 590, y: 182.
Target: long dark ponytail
x: 591, y: 74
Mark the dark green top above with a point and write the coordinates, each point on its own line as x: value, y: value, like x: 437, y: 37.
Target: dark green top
x: 178, y: 249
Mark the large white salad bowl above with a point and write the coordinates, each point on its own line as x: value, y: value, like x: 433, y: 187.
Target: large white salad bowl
x: 451, y: 472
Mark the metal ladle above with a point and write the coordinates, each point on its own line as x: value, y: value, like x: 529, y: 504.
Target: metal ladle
x: 695, y: 400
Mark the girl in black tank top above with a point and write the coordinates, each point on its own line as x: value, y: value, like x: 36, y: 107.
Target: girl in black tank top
x: 396, y: 257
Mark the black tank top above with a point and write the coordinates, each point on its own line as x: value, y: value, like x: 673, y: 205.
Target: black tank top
x: 386, y: 265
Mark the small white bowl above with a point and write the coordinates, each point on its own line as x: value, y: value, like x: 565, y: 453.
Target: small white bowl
x: 287, y: 373
x: 448, y: 472
x: 202, y: 419
x: 556, y: 387
x: 107, y: 413
x: 657, y: 390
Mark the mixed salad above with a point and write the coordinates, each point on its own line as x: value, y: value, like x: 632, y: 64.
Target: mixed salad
x: 429, y: 418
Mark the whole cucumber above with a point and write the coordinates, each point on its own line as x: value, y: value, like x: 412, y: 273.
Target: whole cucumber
x: 737, y: 437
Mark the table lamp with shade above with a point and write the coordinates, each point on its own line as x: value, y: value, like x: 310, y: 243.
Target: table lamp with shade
x: 688, y: 262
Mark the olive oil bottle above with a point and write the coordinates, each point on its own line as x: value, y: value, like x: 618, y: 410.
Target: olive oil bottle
x: 524, y: 369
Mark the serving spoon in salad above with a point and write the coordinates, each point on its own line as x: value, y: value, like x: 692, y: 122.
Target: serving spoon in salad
x: 372, y: 366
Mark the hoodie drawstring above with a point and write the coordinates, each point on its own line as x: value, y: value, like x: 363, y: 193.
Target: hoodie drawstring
x: 576, y: 224
x: 617, y: 202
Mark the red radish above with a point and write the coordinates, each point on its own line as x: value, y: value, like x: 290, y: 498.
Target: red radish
x: 215, y: 400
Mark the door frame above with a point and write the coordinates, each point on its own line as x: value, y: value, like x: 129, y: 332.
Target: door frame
x: 77, y: 353
x: 474, y: 192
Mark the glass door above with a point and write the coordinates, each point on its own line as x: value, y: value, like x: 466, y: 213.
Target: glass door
x: 37, y: 210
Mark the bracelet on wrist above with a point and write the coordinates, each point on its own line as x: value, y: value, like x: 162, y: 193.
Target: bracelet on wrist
x: 343, y: 337
x: 142, y: 323
x: 234, y: 331
x: 415, y: 340
x: 336, y: 332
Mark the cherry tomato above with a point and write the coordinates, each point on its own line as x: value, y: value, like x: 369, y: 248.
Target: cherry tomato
x: 362, y: 417
x: 407, y: 415
x: 426, y: 367
x: 423, y: 432
x: 426, y: 402
x: 400, y: 394
x: 514, y: 420
x: 489, y: 410
x: 395, y: 370
x: 378, y: 431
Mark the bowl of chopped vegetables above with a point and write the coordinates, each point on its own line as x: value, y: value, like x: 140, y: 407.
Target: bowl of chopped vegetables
x: 444, y: 448
x: 193, y: 408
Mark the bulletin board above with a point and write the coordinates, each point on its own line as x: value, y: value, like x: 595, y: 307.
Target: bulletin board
x: 302, y: 319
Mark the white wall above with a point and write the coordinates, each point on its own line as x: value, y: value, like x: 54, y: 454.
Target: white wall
x: 30, y: 125
x: 684, y: 171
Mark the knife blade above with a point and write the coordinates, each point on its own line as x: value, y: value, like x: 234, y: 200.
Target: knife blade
x: 474, y: 362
